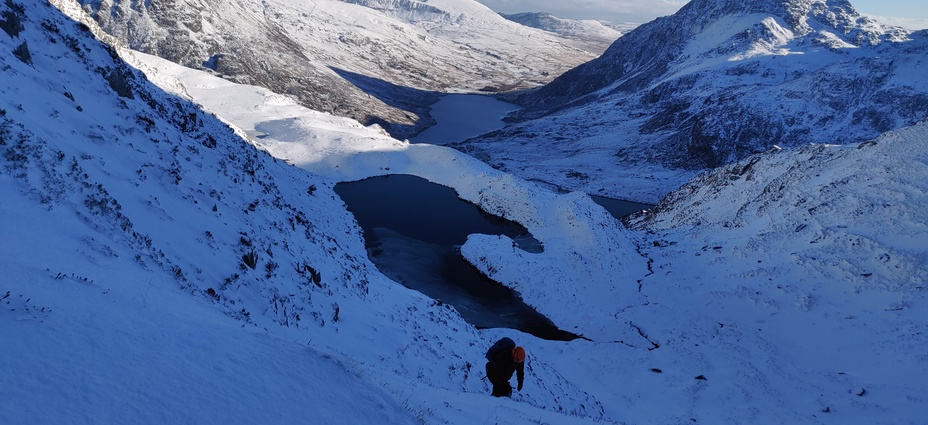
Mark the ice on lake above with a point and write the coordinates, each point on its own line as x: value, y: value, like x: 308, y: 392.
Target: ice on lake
x: 462, y: 116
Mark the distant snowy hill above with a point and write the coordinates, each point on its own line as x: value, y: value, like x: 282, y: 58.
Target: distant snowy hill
x: 912, y: 24
x: 376, y: 61
x: 587, y: 34
x: 714, y: 83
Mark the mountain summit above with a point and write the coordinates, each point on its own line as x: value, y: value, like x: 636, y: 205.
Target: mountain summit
x: 714, y: 83
x: 644, y: 55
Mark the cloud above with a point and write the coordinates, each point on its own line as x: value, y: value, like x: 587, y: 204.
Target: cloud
x: 907, y: 23
x: 639, y: 11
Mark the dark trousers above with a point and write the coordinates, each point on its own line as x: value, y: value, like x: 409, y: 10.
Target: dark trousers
x: 501, y: 388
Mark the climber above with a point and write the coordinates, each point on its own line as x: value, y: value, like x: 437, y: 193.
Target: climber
x: 504, y: 358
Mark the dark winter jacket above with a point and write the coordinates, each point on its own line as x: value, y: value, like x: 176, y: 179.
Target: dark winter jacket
x: 502, y: 365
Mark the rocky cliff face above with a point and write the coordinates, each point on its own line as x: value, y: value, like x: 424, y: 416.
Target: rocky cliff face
x: 716, y: 82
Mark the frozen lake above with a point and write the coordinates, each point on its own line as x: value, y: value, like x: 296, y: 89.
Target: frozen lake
x: 462, y: 116
x: 413, y: 230
x: 619, y: 208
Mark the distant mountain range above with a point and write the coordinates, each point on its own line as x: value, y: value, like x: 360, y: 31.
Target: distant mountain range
x: 587, y: 34
x: 714, y: 83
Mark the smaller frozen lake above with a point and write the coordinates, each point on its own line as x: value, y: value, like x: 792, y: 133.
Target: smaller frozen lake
x: 462, y: 116
x: 620, y: 208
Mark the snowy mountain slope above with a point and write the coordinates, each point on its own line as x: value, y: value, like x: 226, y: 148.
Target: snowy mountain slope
x: 592, y: 36
x: 95, y: 351
x: 120, y: 271
x: 375, y: 61
x: 109, y: 201
x: 789, y: 287
x: 714, y: 83
x: 845, y: 201
x: 128, y: 210
x: 823, y: 251
x: 710, y: 334
x: 582, y: 240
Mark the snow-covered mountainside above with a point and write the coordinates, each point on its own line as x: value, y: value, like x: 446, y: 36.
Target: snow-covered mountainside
x: 851, y: 212
x: 709, y: 331
x: 587, y: 34
x: 163, y: 264
x: 377, y: 61
x: 714, y: 83
x: 821, y: 250
x: 159, y: 268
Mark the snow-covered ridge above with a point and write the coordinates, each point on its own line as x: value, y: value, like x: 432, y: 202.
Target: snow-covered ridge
x: 588, y: 34
x: 714, y: 83
x: 663, y: 42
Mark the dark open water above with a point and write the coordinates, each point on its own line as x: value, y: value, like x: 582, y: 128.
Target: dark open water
x: 413, y: 231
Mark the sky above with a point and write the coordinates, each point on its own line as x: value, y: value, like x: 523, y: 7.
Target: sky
x: 641, y: 11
